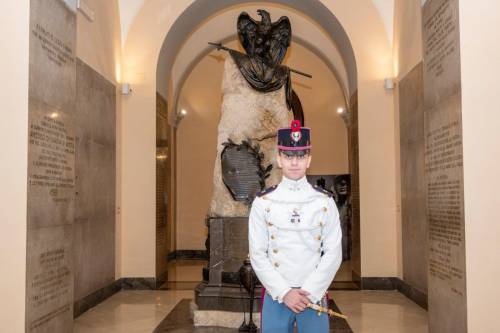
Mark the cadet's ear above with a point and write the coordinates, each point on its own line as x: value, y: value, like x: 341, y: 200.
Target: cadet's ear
x: 309, y: 158
x: 278, y: 160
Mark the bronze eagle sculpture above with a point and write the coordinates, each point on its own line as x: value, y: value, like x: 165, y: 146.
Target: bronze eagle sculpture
x: 266, y: 44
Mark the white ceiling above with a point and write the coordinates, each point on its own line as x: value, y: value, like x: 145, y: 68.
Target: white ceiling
x: 130, y: 8
x: 385, y: 9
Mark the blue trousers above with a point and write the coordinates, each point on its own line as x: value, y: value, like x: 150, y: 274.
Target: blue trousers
x: 278, y: 318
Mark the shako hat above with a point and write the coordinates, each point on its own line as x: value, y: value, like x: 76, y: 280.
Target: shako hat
x: 294, y: 137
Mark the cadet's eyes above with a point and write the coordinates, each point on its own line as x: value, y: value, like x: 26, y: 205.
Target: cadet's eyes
x: 298, y: 157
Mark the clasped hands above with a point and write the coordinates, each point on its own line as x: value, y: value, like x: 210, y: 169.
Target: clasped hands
x: 296, y: 299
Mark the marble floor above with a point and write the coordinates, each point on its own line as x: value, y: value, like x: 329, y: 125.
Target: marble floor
x: 141, y: 311
x: 135, y: 311
x: 377, y: 311
x: 130, y: 311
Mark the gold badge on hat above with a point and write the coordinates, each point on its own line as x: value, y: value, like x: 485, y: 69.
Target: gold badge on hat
x: 296, y: 136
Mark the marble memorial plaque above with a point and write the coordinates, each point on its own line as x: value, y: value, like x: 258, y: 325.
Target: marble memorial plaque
x: 51, y: 161
x: 49, y: 291
x: 441, y: 47
x: 444, y: 167
x: 446, y: 243
x: 51, y: 174
x: 52, y: 53
x: 95, y: 175
x: 413, y: 189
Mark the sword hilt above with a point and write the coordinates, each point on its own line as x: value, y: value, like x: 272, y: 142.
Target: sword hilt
x: 321, y: 309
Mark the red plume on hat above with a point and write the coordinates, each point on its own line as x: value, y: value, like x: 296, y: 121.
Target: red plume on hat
x: 295, y: 125
x: 295, y: 134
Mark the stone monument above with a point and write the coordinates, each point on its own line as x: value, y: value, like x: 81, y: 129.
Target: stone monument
x: 246, y: 114
x: 256, y: 101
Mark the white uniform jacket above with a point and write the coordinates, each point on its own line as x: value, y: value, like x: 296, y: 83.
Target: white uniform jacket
x: 295, y: 239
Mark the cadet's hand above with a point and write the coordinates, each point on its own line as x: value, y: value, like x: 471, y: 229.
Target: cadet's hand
x: 296, y: 300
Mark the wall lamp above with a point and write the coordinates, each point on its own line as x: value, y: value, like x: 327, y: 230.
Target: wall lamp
x: 126, y: 89
x: 389, y: 83
x: 179, y: 116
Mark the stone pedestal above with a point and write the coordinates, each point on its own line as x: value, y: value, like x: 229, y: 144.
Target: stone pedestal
x: 221, y: 318
x: 225, y: 297
x: 228, y: 248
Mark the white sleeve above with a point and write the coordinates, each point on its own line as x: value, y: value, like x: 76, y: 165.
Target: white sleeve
x: 258, y: 240
x: 320, y: 279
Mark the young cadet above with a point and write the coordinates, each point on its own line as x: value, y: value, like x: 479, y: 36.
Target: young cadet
x: 294, y: 241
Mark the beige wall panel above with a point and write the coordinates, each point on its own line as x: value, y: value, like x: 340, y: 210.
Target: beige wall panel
x: 480, y: 70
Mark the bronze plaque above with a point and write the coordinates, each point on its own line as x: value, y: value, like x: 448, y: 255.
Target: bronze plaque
x: 242, y: 172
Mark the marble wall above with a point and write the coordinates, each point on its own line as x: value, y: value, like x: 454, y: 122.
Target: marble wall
x: 413, y: 190
x: 95, y: 177
x: 353, y: 144
x: 444, y: 166
x: 51, y: 164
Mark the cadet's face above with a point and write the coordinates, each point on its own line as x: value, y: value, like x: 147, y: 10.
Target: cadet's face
x: 293, y: 167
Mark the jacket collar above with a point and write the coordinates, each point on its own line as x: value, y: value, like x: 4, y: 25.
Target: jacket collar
x: 294, y: 185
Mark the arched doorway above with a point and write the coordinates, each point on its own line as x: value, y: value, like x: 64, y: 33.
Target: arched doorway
x: 373, y: 55
x: 196, y: 135
x: 186, y: 217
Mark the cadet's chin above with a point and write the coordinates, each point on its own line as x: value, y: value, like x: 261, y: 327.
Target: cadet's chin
x: 294, y: 175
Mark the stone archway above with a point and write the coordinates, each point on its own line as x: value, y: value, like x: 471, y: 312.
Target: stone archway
x: 373, y: 59
x: 177, y: 79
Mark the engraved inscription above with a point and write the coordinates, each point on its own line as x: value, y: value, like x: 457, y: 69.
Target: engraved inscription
x: 56, y: 50
x: 444, y: 148
x: 54, y: 314
x: 53, y: 280
x: 51, y: 167
x: 441, y: 47
x: 49, y: 279
x: 440, y: 38
x: 445, y: 229
x: 443, y: 166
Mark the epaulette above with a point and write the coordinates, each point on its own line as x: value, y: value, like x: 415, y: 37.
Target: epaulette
x: 322, y: 190
x: 266, y: 191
